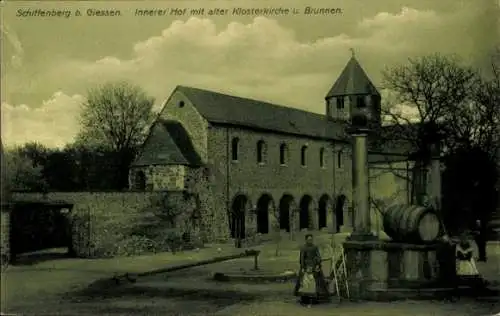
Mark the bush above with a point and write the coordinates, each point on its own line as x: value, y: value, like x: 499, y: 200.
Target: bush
x: 173, y: 240
x: 135, y: 245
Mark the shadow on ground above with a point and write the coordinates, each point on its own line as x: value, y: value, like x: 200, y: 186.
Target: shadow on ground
x: 108, y: 288
x: 33, y: 258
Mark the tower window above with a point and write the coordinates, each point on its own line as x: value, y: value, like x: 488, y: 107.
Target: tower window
x: 234, y: 148
x: 340, y: 102
x: 339, y: 159
x: 369, y: 100
x: 261, y: 151
x: 303, y: 153
x: 283, y: 154
x: 322, y: 157
x: 361, y: 102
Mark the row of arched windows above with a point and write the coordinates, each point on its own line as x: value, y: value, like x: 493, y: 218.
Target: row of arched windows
x: 284, y: 154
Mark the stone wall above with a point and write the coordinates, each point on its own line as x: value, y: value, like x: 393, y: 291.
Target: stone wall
x: 109, y: 223
x: 160, y: 178
x: 213, y: 221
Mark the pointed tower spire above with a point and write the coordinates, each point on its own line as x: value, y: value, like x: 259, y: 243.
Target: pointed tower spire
x: 353, y: 92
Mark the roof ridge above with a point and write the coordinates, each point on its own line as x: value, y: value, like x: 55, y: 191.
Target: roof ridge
x: 251, y: 99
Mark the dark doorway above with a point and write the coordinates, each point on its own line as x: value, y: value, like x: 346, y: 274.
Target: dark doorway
x: 263, y: 206
x: 285, y: 208
x: 36, y: 226
x: 305, y: 205
x: 238, y: 217
x: 322, y: 211
x: 339, y: 212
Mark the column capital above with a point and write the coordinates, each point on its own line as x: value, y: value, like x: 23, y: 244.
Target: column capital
x: 359, y: 125
x: 358, y: 131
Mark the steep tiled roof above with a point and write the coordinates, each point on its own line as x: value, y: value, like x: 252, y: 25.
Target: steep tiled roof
x: 353, y: 80
x: 167, y: 144
x: 218, y: 108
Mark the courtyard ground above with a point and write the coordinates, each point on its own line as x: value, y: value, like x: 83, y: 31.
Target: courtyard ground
x: 63, y: 286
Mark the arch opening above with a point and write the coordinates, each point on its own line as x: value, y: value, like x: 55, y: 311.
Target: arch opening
x: 339, y: 212
x: 237, y: 220
x: 263, y: 206
x: 285, y: 207
x: 323, y: 211
x: 304, y: 216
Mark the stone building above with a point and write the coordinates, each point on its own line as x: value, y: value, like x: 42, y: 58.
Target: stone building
x: 256, y: 167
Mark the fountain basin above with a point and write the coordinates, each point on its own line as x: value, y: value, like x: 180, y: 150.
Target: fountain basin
x: 376, y: 268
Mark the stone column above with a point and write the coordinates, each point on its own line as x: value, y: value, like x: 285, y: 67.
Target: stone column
x: 434, y: 179
x: 360, y: 179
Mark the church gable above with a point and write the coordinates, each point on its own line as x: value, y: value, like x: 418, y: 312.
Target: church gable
x: 167, y: 144
x: 181, y: 108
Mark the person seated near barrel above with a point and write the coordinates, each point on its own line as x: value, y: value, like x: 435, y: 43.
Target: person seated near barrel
x: 466, y: 266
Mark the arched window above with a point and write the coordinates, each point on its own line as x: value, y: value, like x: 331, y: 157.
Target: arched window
x: 261, y: 151
x: 140, y: 180
x: 303, y: 153
x: 283, y: 153
x: 339, y: 159
x: 234, y: 148
x: 361, y: 102
x: 340, y: 102
x: 322, y: 157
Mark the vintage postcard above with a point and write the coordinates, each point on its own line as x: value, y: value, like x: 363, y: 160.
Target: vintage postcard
x: 263, y: 157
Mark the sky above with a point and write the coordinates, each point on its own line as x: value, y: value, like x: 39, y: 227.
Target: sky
x: 49, y: 63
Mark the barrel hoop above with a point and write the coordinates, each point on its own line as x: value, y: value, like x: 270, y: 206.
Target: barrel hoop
x: 395, y: 215
x: 413, y: 221
x: 402, y: 211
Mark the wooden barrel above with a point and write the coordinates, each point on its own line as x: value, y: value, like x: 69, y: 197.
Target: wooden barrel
x: 411, y: 223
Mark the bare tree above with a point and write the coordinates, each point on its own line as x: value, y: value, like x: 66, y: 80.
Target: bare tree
x: 477, y: 124
x: 432, y: 87
x: 115, y: 115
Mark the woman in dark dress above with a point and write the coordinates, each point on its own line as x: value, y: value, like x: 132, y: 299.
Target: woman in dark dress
x: 311, y: 285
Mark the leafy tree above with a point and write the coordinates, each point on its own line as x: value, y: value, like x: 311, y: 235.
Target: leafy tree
x: 20, y: 174
x: 115, y: 116
x: 36, y: 152
x: 60, y: 171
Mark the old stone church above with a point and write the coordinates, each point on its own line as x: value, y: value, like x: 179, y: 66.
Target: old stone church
x: 256, y: 167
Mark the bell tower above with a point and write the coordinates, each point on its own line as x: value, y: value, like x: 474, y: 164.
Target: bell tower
x: 353, y: 93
